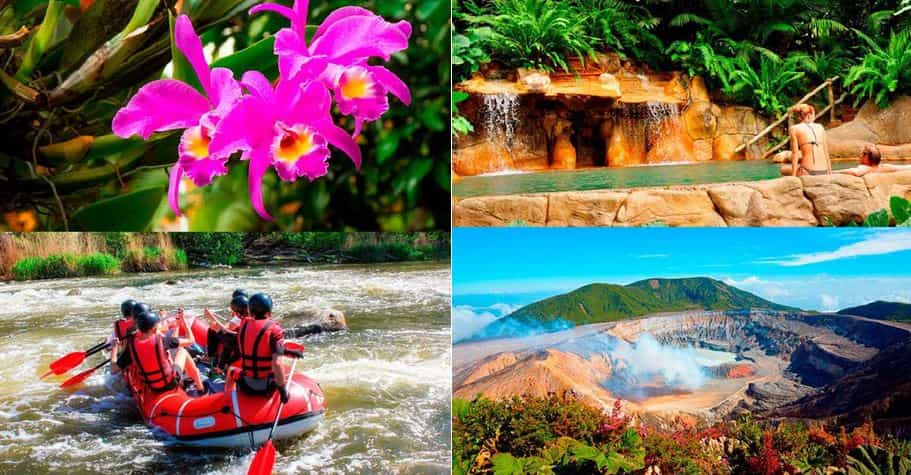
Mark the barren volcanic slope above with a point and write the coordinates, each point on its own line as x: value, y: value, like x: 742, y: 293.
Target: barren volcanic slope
x: 709, y: 364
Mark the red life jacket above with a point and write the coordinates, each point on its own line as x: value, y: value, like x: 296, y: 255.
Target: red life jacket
x: 124, y: 328
x: 152, y: 363
x: 255, y: 348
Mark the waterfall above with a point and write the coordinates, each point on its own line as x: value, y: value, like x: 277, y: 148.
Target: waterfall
x: 500, y: 115
x: 656, y: 112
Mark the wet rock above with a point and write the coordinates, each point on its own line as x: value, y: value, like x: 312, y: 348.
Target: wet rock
x: 671, y: 144
x: 610, y: 84
x: 736, y: 126
x: 886, y: 127
x: 883, y: 186
x: 533, y: 80
x: 838, y: 198
x: 171, y: 282
x: 682, y: 207
x: 500, y: 211
x: 624, y: 149
x: 321, y: 321
x: 73, y: 292
x: 564, y: 157
x: 479, y: 158
x: 778, y: 202
x: 598, y: 208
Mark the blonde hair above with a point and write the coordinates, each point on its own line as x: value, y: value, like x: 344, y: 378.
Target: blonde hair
x: 803, y: 111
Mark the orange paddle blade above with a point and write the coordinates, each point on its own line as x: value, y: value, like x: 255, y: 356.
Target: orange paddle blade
x: 79, y: 378
x: 263, y: 461
x: 290, y: 345
x: 66, y: 363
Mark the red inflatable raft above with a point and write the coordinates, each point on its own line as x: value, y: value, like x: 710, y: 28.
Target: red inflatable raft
x: 228, y: 419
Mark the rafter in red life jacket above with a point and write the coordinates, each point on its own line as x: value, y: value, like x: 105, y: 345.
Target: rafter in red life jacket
x: 124, y: 328
x: 152, y: 363
x: 255, y: 348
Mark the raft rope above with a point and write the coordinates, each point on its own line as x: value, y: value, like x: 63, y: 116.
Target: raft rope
x: 223, y: 410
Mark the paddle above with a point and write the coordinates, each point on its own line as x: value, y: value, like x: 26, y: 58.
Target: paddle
x: 264, y: 459
x: 72, y: 360
x: 79, y: 378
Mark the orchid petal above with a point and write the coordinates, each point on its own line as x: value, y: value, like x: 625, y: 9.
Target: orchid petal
x: 274, y: 8
x: 246, y: 126
x: 304, y: 103
x: 190, y: 45
x: 166, y: 104
x: 174, y: 188
x: 358, y: 37
x: 259, y: 163
x: 225, y: 89
x: 258, y: 85
x: 391, y: 82
x: 300, y: 12
x: 403, y: 26
x: 339, y: 138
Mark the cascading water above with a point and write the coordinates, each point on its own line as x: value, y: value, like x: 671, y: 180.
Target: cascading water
x: 500, y: 115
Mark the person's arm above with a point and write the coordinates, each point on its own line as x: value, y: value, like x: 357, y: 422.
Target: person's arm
x: 115, y: 345
x: 795, y: 151
x: 190, y: 340
x: 856, y: 171
x: 828, y: 155
x: 213, y: 320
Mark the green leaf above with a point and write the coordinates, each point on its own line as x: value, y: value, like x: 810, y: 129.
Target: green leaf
x: 128, y: 212
x: 901, y: 209
x: 877, y: 219
x: 387, y: 146
x: 258, y: 56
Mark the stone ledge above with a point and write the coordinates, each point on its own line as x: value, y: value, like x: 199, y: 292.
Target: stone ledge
x: 786, y: 201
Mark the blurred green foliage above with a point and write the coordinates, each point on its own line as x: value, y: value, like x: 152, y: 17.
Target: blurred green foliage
x: 70, y: 71
x: 60, y: 266
x: 212, y: 248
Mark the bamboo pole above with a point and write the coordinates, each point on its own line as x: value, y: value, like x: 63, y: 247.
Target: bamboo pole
x: 831, y: 92
x: 787, y: 114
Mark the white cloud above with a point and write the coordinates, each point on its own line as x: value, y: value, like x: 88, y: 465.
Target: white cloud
x: 764, y: 288
x: 873, y: 245
x: 829, y: 302
x: 468, y: 320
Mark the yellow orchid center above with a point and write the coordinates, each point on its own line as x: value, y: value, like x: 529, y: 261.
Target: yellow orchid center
x: 198, y: 144
x: 356, y: 85
x: 295, y: 143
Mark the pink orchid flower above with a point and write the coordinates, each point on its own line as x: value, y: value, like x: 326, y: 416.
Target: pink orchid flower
x: 169, y: 104
x: 287, y: 128
x: 338, y: 54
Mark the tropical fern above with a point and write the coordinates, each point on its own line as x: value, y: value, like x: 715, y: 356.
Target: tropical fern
x: 885, y: 71
x: 536, y: 34
x: 876, y: 461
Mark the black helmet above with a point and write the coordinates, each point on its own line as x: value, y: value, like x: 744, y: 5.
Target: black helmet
x: 260, y: 304
x: 146, y: 320
x: 238, y: 292
x: 126, y: 308
x: 139, y: 308
x: 240, y: 304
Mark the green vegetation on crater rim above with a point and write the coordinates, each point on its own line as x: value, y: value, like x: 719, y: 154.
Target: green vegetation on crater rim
x: 595, y: 303
x: 880, y: 310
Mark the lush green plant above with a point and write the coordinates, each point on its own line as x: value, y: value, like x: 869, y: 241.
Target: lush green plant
x: 460, y: 125
x: 769, y: 87
x: 624, y: 27
x: 885, y: 71
x: 876, y: 461
x: 60, y: 266
x: 538, y: 34
x: 467, y: 51
x: 212, y: 248
x: 98, y: 264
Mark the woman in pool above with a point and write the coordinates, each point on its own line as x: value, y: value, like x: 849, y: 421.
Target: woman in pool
x: 809, y: 146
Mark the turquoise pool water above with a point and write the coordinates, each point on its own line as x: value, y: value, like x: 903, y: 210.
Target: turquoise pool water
x: 629, y: 177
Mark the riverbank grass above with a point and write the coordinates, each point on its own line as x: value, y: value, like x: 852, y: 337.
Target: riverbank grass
x: 59, y: 266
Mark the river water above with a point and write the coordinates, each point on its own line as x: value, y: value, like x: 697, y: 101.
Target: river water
x: 386, y: 380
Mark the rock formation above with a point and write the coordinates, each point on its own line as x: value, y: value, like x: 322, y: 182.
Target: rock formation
x: 786, y: 201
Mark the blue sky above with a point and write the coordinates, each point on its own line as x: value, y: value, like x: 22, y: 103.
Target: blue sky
x: 499, y: 269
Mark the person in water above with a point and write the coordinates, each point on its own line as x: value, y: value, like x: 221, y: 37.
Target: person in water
x: 262, y: 343
x: 161, y: 361
x: 809, y: 146
x: 870, y: 162
x: 222, y: 349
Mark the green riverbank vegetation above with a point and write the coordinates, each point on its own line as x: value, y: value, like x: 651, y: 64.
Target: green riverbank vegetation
x: 557, y: 435
x: 60, y: 255
x: 752, y: 52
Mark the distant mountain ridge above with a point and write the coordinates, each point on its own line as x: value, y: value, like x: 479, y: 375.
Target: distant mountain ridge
x: 881, y: 310
x: 596, y: 303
